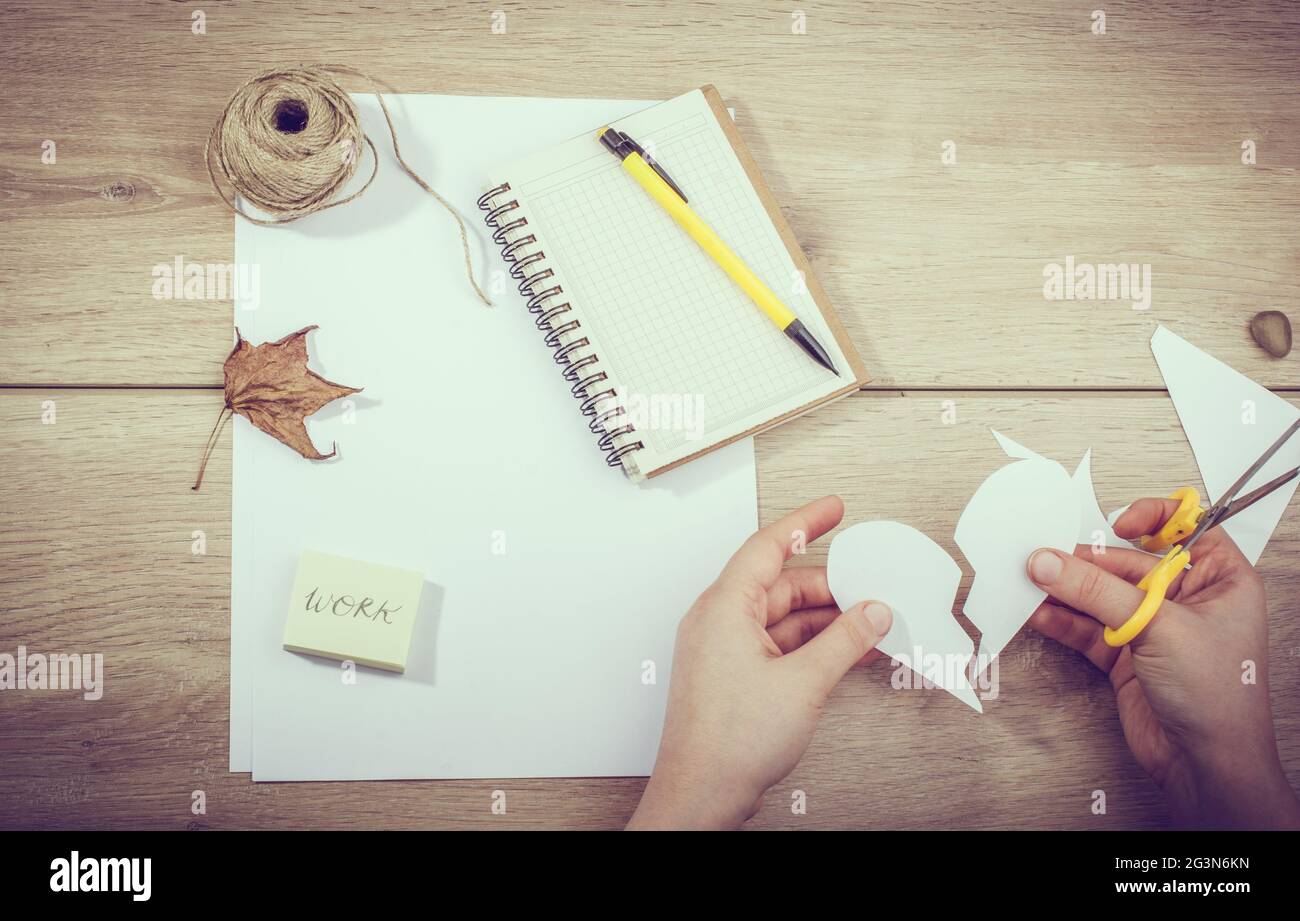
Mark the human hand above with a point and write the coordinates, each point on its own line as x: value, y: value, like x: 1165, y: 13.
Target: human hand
x: 1192, y: 717
x: 755, y: 659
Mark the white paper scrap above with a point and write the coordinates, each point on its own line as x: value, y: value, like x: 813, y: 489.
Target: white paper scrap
x: 898, y: 565
x: 1025, y: 505
x: 1230, y: 421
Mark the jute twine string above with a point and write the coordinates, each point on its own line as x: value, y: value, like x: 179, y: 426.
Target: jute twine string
x: 289, y: 141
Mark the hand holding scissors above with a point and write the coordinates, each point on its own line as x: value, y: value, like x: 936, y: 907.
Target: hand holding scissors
x: 1191, y: 691
x: 1184, y: 528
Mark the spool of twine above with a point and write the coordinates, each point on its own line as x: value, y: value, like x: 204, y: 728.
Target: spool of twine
x: 290, y: 140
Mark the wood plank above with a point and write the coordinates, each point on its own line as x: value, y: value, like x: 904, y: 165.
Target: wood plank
x: 96, y: 529
x: 1123, y: 147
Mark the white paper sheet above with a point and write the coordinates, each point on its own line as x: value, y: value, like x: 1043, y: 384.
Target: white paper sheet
x: 897, y: 564
x: 1230, y: 421
x: 553, y: 582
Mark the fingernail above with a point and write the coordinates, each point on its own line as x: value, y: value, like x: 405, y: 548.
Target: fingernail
x: 879, y: 616
x: 1045, y: 566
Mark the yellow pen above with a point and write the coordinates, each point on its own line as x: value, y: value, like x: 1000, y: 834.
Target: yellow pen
x: 659, y: 186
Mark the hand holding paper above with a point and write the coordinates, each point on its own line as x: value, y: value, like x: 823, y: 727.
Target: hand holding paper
x: 755, y: 658
x: 1030, y: 503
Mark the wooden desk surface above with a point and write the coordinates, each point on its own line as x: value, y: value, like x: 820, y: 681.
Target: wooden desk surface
x: 1123, y: 147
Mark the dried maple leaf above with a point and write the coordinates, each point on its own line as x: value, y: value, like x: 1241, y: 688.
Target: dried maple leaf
x: 271, y: 386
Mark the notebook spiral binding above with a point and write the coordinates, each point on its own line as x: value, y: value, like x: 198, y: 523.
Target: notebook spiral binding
x: 527, y: 261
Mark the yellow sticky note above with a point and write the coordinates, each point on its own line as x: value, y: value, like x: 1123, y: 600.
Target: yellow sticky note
x: 349, y: 610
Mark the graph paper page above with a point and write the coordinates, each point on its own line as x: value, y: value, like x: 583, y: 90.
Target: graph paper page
x: 694, y: 358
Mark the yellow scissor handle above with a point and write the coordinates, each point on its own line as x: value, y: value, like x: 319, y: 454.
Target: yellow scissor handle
x: 1155, y: 583
x: 1181, y: 523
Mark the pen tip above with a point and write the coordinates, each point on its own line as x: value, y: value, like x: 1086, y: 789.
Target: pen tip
x: 799, y: 333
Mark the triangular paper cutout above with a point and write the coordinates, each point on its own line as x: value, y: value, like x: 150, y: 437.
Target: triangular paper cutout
x: 1092, y: 523
x: 1230, y: 421
x: 1013, y: 448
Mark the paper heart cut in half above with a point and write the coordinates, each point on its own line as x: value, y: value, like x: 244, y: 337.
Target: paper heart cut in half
x: 1025, y: 505
x: 897, y: 564
x: 1031, y: 503
x: 1020, y: 507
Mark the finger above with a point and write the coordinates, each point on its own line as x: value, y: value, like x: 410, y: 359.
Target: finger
x: 1129, y: 565
x: 762, y: 556
x: 796, y: 588
x: 801, y: 626
x: 844, y: 642
x: 1083, y: 586
x: 1143, y: 517
x: 1147, y: 516
x: 1077, y: 631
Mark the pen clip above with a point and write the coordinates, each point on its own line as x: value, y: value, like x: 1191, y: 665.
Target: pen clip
x: 621, y: 146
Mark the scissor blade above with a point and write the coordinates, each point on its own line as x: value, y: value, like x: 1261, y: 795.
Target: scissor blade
x: 1250, y: 498
x: 1226, y: 500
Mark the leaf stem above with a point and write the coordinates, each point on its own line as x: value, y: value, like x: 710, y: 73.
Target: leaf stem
x: 226, y: 413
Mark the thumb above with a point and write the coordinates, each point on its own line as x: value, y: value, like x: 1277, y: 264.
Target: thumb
x: 1084, y: 586
x: 842, y: 643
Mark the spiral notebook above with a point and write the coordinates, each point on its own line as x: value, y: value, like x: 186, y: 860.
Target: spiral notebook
x: 667, y: 357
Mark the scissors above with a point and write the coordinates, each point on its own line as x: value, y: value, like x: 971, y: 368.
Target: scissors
x: 1184, y: 528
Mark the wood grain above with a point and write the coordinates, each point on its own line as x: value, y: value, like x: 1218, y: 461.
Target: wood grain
x: 1117, y: 148
x: 1123, y: 147
x: 96, y: 543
